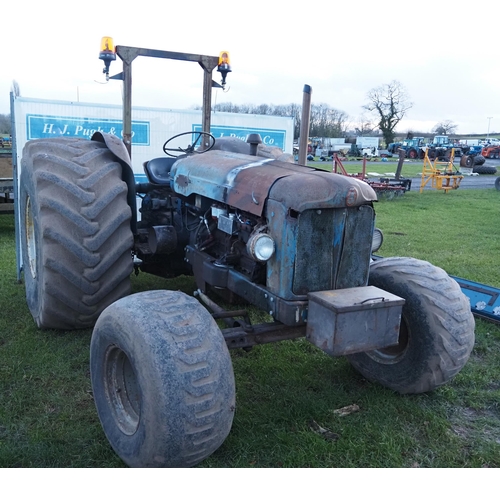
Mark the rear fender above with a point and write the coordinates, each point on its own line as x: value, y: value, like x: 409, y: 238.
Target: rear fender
x: 117, y: 147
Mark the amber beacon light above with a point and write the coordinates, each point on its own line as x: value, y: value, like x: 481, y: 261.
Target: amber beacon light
x: 107, y: 53
x: 224, y: 66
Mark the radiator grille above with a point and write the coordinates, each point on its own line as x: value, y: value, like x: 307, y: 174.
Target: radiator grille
x: 333, y: 249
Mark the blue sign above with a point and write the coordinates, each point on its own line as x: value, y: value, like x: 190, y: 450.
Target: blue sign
x: 270, y: 137
x: 43, y: 126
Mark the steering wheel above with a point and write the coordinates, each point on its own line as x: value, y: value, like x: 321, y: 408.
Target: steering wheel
x: 191, y: 148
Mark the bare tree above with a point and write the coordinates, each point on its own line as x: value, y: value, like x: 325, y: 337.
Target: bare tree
x: 5, y: 125
x: 364, y: 126
x: 389, y: 103
x: 325, y: 121
x: 446, y: 127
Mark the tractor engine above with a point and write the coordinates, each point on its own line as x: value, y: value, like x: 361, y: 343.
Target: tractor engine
x: 169, y: 224
x: 267, y: 231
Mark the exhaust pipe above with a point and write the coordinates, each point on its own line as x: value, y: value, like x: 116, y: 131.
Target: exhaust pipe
x: 304, y: 124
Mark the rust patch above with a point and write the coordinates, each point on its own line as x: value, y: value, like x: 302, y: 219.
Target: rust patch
x: 351, y: 196
x: 182, y: 180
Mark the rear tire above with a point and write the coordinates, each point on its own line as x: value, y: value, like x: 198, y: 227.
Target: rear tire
x: 162, y: 379
x: 75, y: 231
x: 437, y: 328
x: 497, y: 183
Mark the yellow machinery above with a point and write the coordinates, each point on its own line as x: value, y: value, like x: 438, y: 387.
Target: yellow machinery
x: 442, y: 174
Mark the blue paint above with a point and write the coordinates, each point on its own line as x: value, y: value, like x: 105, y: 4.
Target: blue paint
x: 270, y: 137
x: 484, y: 299
x: 44, y: 126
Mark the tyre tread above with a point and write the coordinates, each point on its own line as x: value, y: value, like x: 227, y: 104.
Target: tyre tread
x: 79, y: 230
x: 451, y: 320
x: 196, y: 373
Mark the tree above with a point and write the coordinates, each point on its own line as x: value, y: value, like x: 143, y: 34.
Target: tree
x: 364, y: 127
x: 446, y: 127
x: 389, y: 103
x: 325, y: 121
x: 5, y: 125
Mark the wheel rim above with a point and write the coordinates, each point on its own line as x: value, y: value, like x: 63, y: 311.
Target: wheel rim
x: 122, y: 390
x: 29, y: 225
x: 393, y: 354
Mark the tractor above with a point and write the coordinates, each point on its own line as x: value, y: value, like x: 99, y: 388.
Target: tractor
x: 441, y: 147
x: 414, y: 147
x: 474, y: 157
x: 491, y: 151
x: 255, y: 230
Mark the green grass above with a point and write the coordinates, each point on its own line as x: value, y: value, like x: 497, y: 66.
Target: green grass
x: 284, y: 390
x: 410, y: 169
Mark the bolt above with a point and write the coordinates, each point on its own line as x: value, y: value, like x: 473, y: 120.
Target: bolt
x: 270, y: 313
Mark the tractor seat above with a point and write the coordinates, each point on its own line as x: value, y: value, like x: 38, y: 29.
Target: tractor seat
x: 158, y: 169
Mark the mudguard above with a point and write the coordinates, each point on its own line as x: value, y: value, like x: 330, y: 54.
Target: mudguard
x: 117, y: 147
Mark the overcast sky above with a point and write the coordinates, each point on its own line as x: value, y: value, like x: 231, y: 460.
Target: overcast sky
x: 444, y: 54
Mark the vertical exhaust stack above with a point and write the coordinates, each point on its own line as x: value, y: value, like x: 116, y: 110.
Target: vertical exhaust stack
x: 304, y: 124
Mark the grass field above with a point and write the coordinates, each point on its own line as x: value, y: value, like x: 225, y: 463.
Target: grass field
x: 286, y: 392
x: 410, y: 168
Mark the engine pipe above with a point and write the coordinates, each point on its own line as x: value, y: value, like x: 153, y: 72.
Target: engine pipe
x: 304, y: 124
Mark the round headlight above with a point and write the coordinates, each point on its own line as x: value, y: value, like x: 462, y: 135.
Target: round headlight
x: 260, y: 246
x: 378, y: 238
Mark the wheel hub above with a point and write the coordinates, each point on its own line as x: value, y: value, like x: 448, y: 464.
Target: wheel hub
x: 122, y: 390
x: 30, y: 238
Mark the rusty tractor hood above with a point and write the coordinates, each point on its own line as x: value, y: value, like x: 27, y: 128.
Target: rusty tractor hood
x: 246, y: 182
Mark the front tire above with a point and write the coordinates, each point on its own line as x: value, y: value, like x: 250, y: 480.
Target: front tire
x: 437, y: 328
x: 162, y: 379
x: 75, y: 231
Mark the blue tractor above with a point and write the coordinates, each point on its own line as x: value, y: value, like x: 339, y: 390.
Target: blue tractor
x: 473, y: 158
x: 253, y: 228
x: 414, y: 147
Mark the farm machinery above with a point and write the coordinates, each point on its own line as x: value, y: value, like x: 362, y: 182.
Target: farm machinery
x: 387, y: 187
x: 491, y: 151
x: 413, y: 147
x: 254, y: 229
x: 443, y: 175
